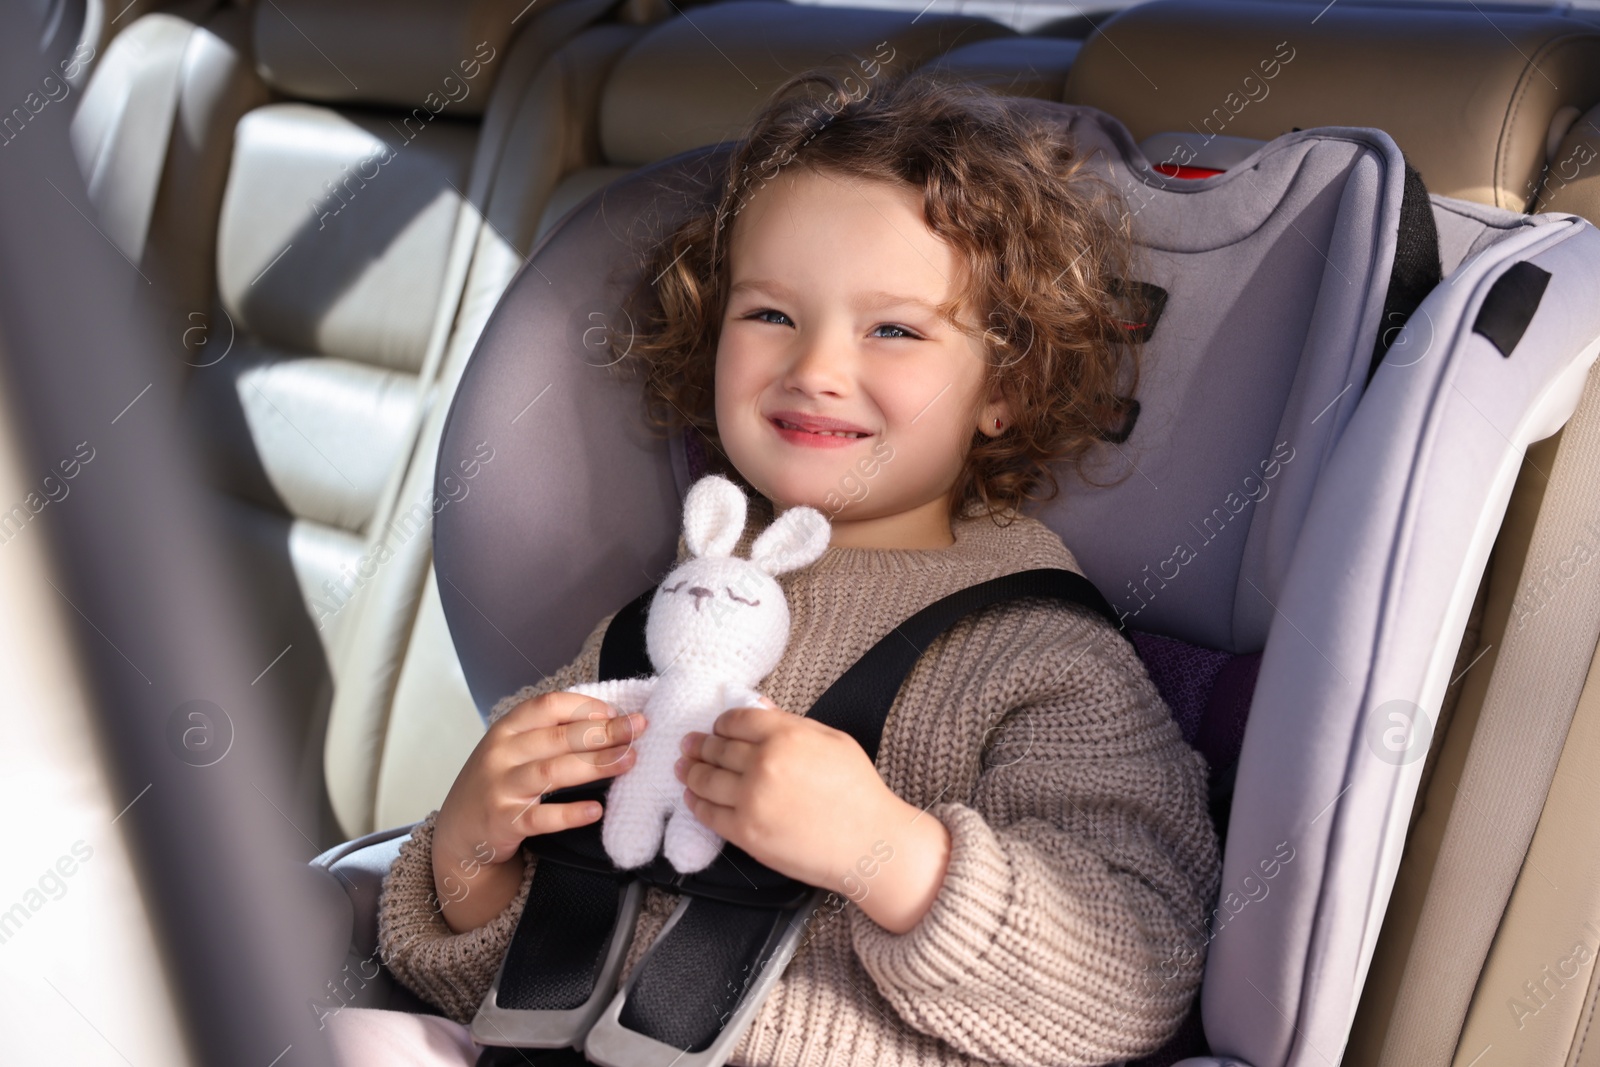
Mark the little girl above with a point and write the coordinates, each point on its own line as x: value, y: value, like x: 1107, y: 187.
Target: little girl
x: 900, y: 312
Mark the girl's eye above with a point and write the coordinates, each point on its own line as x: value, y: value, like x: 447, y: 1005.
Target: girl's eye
x: 777, y: 318
x: 898, y: 331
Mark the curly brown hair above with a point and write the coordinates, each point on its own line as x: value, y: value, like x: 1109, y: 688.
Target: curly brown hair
x: 1046, y: 244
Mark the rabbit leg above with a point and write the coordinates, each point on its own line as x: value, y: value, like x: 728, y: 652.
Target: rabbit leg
x: 631, y: 830
x: 638, y: 802
x: 690, y: 846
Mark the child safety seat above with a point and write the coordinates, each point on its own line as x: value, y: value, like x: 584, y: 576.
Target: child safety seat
x: 1337, y: 396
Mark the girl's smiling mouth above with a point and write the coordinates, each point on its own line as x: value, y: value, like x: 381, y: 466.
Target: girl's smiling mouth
x: 814, y: 432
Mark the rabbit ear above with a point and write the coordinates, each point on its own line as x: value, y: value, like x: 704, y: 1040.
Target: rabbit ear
x: 713, y: 516
x: 798, y: 537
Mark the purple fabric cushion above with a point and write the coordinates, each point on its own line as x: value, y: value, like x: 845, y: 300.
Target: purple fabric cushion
x: 1184, y: 675
x: 1222, y: 724
x: 1209, y: 693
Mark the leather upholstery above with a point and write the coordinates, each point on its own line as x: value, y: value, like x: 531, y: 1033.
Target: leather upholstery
x: 1468, y: 98
x: 1572, y: 182
x: 314, y: 436
x: 723, y: 62
x: 216, y: 85
x: 1016, y: 66
x: 396, y: 52
x: 1550, y: 933
x: 327, y: 245
x: 335, y: 231
x: 392, y: 720
x: 332, y: 244
x: 433, y: 723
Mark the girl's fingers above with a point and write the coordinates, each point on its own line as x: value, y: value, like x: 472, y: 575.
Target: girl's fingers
x: 709, y: 782
x: 540, y: 776
x: 714, y: 817
x: 722, y: 751
x: 747, y: 724
x: 550, y: 818
x: 590, y: 737
x: 553, y: 708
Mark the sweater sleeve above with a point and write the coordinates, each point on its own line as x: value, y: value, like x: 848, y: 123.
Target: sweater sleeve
x: 453, y: 971
x: 1069, y: 925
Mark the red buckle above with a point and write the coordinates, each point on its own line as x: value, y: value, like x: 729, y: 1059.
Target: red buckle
x: 1177, y: 170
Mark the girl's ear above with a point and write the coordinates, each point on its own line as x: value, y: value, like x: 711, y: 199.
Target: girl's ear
x: 713, y: 517
x: 798, y: 538
x: 998, y: 408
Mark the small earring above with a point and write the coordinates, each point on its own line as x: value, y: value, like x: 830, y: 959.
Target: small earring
x: 997, y: 424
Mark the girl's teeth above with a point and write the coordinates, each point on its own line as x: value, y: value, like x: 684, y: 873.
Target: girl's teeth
x: 830, y: 433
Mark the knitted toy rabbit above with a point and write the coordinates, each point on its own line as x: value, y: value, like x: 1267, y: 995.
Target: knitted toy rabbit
x: 717, y: 626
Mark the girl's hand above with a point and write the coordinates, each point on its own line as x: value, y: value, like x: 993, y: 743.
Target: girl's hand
x: 805, y: 800
x: 549, y: 742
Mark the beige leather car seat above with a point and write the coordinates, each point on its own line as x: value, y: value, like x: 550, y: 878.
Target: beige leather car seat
x: 128, y: 144
x: 1472, y: 100
x: 330, y: 198
x: 1016, y: 66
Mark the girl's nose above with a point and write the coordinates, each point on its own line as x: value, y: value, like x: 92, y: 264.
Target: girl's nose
x: 821, y: 367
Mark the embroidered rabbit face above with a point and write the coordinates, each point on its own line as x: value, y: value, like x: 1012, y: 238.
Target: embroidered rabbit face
x: 721, y: 615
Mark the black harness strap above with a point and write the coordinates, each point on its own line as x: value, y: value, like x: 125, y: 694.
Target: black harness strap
x: 622, y: 652
x: 858, y: 702
x: 1416, y: 271
x: 694, y: 975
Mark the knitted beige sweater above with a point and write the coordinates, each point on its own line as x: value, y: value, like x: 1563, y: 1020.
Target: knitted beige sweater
x: 1069, y: 926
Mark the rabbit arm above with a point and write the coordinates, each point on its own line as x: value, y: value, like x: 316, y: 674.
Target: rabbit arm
x: 625, y: 694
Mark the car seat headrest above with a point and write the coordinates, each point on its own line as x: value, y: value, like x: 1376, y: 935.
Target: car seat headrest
x: 723, y: 62
x: 434, y: 54
x: 1572, y: 182
x: 1474, y: 117
x: 1015, y: 66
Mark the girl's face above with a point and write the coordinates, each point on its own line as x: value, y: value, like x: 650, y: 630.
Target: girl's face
x: 834, y: 285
